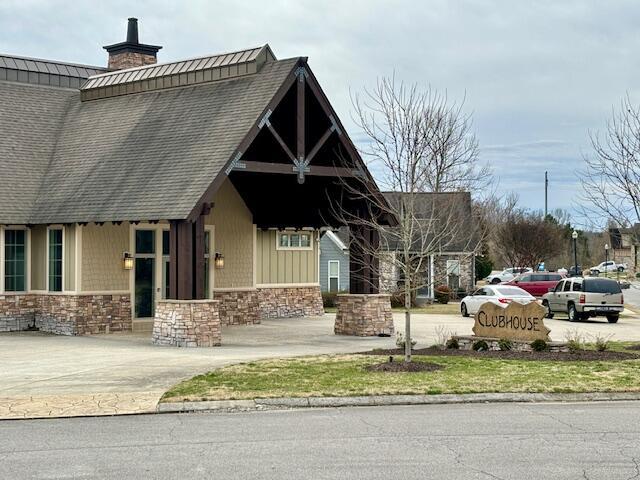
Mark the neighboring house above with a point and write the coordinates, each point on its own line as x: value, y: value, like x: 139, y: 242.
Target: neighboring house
x: 454, y: 264
x: 625, y: 245
x: 141, y: 184
x: 334, y: 261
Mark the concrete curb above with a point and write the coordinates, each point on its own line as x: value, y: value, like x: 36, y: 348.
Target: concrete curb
x: 380, y: 400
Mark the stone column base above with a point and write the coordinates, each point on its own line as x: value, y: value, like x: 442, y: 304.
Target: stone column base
x: 187, y: 323
x: 363, y: 315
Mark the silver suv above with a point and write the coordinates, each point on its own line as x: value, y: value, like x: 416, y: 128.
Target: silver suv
x: 585, y: 297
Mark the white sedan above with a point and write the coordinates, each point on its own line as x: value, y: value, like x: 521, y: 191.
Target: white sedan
x: 499, y: 294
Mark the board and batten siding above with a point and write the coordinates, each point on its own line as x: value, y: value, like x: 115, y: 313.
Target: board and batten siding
x: 285, y: 266
x: 232, y: 237
x: 329, y: 251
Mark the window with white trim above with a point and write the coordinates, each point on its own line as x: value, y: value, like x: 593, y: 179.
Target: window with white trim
x: 15, y: 260
x: 55, y: 260
x: 294, y: 241
x: 453, y: 273
x: 334, y: 275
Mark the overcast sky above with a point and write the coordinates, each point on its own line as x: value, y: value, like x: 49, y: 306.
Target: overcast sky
x: 537, y: 75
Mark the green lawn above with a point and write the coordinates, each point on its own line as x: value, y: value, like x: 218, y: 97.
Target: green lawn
x: 345, y: 375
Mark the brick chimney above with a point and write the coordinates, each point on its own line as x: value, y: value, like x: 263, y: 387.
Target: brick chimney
x: 131, y: 53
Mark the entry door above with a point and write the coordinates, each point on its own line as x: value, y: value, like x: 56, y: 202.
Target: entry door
x: 145, y: 266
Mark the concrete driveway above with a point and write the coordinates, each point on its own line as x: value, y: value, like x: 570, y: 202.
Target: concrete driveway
x: 45, y: 375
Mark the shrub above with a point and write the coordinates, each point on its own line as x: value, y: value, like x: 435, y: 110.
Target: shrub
x: 602, y: 342
x: 400, y: 341
x: 442, y: 294
x: 539, y: 345
x: 505, y: 344
x: 575, y: 340
x: 480, y: 346
x: 461, y: 293
x: 397, y: 299
x: 329, y: 299
x: 452, y: 344
x: 442, y: 335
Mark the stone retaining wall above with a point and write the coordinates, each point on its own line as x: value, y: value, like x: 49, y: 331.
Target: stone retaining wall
x: 187, y: 323
x: 364, y: 315
x: 66, y: 314
x: 465, y: 342
x: 287, y: 302
x: 238, y: 307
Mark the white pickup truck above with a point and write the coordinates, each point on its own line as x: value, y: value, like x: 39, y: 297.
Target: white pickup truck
x: 609, y: 266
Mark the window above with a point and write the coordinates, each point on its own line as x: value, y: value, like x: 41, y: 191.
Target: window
x: 527, y: 278
x: 567, y: 286
x: 55, y: 260
x: 294, y: 240
x: 576, y: 287
x: 559, y: 286
x: 15, y: 267
x: 334, y: 275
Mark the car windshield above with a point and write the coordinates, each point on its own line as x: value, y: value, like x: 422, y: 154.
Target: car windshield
x: 512, y: 292
x: 600, y: 285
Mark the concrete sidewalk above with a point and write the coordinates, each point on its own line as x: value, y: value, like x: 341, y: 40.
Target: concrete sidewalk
x: 44, y: 375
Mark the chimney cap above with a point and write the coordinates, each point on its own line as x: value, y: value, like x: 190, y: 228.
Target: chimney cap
x: 132, y: 43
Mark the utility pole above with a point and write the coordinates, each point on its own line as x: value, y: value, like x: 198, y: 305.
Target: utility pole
x: 546, y: 189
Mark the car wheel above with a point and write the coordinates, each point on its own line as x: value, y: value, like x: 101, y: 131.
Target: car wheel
x: 548, y: 307
x: 574, y: 316
x: 621, y: 269
x: 613, y: 318
x: 463, y: 310
x: 495, y: 281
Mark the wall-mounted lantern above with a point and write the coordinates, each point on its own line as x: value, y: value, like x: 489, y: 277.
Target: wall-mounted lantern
x: 219, y: 261
x: 127, y: 261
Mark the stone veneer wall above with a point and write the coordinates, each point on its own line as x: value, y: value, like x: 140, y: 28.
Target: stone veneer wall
x: 286, y: 302
x: 238, y: 307
x: 364, y: 315
x: 66, y: 314
x: 187, y: 323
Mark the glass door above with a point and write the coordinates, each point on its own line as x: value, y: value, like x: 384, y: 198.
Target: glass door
x: 144, y: 274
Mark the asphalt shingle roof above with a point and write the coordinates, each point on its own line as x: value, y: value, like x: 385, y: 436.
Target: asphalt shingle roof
x: 143, y: 156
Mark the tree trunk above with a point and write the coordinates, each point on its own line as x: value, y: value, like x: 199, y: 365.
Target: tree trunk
x: 407, y: 321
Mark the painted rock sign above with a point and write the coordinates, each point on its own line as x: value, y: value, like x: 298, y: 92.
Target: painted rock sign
x: 515, y: 322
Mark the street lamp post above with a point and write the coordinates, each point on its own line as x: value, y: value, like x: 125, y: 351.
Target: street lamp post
x: 606, y: 258
x: 574, y: 235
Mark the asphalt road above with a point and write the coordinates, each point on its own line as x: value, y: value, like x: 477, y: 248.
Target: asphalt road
x: 506, y: 441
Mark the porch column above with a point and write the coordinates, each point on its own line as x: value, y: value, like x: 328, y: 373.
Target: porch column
x: 363, y: 260
x: 186, y: 259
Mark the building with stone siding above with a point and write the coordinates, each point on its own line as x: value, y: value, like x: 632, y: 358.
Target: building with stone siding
x: 171, y: 198
x: 452, y: 263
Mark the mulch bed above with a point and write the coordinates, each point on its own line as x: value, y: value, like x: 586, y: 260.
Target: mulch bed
x: 582, y: 355
x: 401, y: 366
x: 634, y: 347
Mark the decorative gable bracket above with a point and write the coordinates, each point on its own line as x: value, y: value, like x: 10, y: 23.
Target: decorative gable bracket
x: 236, y: 164
x: 301, y: 166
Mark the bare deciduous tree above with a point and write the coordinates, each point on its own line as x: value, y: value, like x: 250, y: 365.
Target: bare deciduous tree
x: 418, y: 144
x: 611, y: 178
x: 526, y: 239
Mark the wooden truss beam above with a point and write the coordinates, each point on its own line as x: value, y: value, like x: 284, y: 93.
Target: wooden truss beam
x: 284, y: 168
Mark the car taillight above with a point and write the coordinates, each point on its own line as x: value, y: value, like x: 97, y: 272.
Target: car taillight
x: 504, y: 300
x: 582, y: 297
